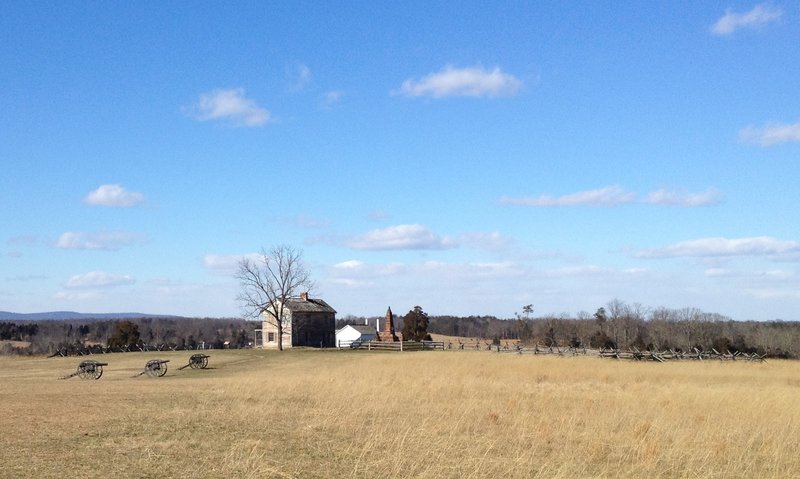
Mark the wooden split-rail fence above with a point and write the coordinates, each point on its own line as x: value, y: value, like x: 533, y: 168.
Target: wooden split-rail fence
x: 393, y: 345
x: 695, y: 355
x: 508, y: 347
x: 554, y: 350
x: 633, y: 354
x: 98, y: 349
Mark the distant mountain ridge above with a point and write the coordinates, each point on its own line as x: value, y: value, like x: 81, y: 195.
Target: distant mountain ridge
x: 66, y: 315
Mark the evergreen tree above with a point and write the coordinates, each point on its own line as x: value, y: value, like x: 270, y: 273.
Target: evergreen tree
x: 126, y: 333
x: 415, y: 325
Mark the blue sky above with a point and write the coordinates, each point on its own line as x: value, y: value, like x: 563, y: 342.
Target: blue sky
x: 467, y: 158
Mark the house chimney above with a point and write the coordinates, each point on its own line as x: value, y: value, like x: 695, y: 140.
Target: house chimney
x: 304, y: 296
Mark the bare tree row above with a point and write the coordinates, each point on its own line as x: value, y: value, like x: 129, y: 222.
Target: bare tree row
x: 622, y: 325
x: 51, y: 336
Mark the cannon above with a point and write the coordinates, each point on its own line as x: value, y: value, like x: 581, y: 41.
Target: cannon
x: 196, y: 361
x: 155, y: 368
x: 88, y: 370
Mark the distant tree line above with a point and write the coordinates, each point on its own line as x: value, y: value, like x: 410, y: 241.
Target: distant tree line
x: 17, y: 332
x: 75, y: 336
x: 615, y: 325
x: 623, y: 326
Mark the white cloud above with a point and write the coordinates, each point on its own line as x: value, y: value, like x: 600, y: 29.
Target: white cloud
x: 378, y: 215
x: 332, y: 97
x: 114, y: 196
x: 716, y: 247
x: 24, y: 240
x: 355, y: 273
x: 77, y: 296
x: 27, y: 277
x: 718, y: 272
x: 580, y: 271
x: 475, y: 287
x: 772, y: 294
x: 231, y: 105
x: 470, y: 81
x: 635, y: 271
x: 348, y: 283
x: 155, y: 296
x: 778, y: 274
x: 772, y: 285
x: 349, y: 265
x: 608, y: 196
x: 299, y: 76
x: 103, y: 240
x: 401, y: 237
x: 771, y: 134
x: 615, y: 196
x: 760, y: 15
x: 471, y: 272
x: 226, y: 265
x: 674, y: 198
x: 307, y: 222
x: 419, y: 237
x: 593, y: 271
x: 502, y: 269
x: 488, y: 241
x: 97, y: 279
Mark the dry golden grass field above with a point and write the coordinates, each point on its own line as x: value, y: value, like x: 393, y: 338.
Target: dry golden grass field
x: 308, y: 413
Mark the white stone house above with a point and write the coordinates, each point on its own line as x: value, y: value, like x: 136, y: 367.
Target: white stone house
x: 307, y: 322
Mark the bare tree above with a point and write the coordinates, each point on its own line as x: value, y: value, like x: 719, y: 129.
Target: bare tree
x: 688, y: 318
x: 277, y: 275
x: 616, y: 312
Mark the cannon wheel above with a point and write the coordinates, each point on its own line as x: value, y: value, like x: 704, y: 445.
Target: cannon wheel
x: 156, y: 368
x: 90, y: 370
x: 199, y: 361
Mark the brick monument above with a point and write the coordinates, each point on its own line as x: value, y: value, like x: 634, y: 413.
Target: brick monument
x: 388, y: 328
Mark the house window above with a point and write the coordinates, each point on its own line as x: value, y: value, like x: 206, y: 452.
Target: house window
x: 270, y: 337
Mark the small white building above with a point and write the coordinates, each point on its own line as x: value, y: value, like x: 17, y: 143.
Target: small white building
x: 354, y: 332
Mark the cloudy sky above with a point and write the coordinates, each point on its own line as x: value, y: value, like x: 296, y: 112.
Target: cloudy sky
x: 467, y: 157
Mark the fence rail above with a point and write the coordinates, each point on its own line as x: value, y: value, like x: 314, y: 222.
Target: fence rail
x: 509, y: 347
x: 99, y: 349
x: 695, y: 355
x: 632, y: 353
x: 392, y: 345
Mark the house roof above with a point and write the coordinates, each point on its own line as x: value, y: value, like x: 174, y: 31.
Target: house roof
x: 362, y: 328
x: 310, y: 305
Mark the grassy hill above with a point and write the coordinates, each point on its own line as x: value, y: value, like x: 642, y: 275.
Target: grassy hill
x: 311, y: 413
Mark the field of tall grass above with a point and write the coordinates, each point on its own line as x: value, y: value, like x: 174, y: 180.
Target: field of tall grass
x: 309, y: 413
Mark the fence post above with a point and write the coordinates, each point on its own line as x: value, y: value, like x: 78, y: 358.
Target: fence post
x: 401, y: 346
